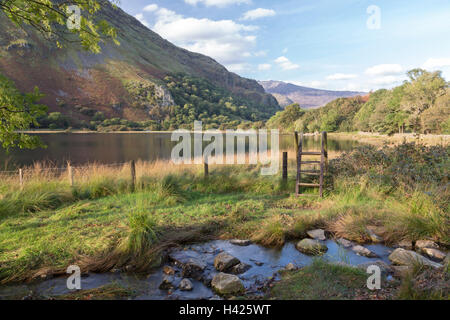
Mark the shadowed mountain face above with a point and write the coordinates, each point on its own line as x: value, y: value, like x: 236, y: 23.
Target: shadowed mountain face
x: 308, y: 98
x: 125, y: 81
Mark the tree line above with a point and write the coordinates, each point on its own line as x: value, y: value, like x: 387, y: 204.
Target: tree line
x: 420, y: 105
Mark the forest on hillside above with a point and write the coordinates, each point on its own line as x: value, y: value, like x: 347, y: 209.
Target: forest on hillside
x: 420, y: 105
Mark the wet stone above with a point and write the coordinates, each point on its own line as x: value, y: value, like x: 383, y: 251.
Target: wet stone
x: 421, y: 244
x: 240, y: 268
x: 311, y: 247
x: 345, y: 243
x: 186, y: 285
x: 404, y: 257
x: 167, y: 283
x: 364, y: 252
x: 290, y: 267
x: 434, y: 254
x: 227, y: 284
x: 405, y: 244
x: 168, y: 270
x: 317, y: 234
x: 242, y: 243
x: 225, y: 261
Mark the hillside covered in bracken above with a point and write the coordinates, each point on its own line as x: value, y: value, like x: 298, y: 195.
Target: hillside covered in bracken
x: 142, y: 84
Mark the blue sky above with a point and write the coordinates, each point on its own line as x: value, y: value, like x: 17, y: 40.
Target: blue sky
x: 330, y: 44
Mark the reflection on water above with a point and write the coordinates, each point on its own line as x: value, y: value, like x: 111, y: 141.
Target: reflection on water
x: 123, y: 147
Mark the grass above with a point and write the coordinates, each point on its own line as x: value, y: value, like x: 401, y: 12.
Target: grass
x: 320, y: 281
x: 100, y: 223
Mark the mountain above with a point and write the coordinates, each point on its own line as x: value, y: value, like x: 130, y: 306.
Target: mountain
x: 308, y: 98
x: 145, y: 73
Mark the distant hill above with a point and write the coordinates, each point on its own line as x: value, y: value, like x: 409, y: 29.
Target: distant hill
x: 131, y: 80
x: 308, y: 98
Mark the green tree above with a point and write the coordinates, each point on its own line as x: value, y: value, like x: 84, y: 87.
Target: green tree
x: 18, y: 112
x: 49, y: 17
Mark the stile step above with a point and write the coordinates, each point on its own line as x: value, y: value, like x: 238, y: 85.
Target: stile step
x: 310, y: 162
x: 312, y: 185
x: 312, y: 153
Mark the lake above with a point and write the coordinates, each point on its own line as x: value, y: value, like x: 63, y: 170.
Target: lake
x: 108, y: 148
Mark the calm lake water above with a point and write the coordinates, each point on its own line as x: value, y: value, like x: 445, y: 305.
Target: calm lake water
x: 110, y: 148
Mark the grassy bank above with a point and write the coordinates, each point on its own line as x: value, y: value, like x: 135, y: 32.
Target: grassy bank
x: 101, y: 223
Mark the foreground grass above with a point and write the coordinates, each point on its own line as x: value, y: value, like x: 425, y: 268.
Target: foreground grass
x: 102, y: 223
x: 321, y: 281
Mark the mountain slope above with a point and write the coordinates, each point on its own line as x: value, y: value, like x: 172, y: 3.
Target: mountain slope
x: 308, y: 98
x: 126, y: 81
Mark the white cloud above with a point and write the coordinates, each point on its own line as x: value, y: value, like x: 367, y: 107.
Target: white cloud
x: 217, y: 3
x: 387, y: 80
x: 341, y: 76
x: 384, y: 70
x: 228, y: 42
x: 142, y: 20
x: 258, y: 13
x: 261, y: 53
x: 434, y: 64
x: 286, y: 64
x: 264, y: 67
x: 151, y: 8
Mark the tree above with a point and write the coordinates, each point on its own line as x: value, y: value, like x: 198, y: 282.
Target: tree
x: 49, y: 17
x: 18, y: 112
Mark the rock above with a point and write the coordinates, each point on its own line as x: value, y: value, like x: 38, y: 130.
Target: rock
x: 404, y: 257
x: 311, y: 247
x: 227, y: 284
x: 257, y: 263
x: 401, y: 271
x: 186, y: 285
x: 361, y: 251
x: 372, y: 232
x: 190, y: 262
x: 344, y: 242
x: 421, y: 244
x: 317, y: 234
x: 242, y: 243
x: 225, y: 261
x: 168, y: 270
x: 240, y: 268
x: 434, y: 254
x: 290, y: 267
x: 405, y: 244
x: 384, y: 267
x: 207, y: 278
x: 167, y: 283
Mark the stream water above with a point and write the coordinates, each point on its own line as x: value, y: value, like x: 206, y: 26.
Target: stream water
x: 265, y: 264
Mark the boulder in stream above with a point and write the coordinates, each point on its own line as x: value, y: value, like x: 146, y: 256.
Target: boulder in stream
x: 167, y: 283
x: 186, y: 285
x: 405, y: 244
x: 225, y: 261
x: 242, y: 243
x: 344, y: 242
x: 421, y: 244
x: 434, y: 254
x: 192, y: 266
x: 227, y: 284
x: 361, y: 251
x: 317, y: 234
x: 404, y: 257
x: 240, y: 268
x: 311, y: 247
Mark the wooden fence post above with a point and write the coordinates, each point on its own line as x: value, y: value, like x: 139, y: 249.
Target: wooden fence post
x: 296, y: 142
x: 206, y: 167
x: 133, y: 175
x: 325, y: 149
x: 70, y: 173
x: 21, y: 179
x: 285, y: 166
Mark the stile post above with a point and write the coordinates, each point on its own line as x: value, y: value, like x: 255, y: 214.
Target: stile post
x: 285, y: 166
x: 21, y: 178
x: 299, y: 164
x: 325, y: 149
x: 70, y: 173
x: 206, y: 167
x: 133, y: 175
x: 296, y: 142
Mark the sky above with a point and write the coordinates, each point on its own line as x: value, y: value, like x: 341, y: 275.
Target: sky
x: 329, y: 44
